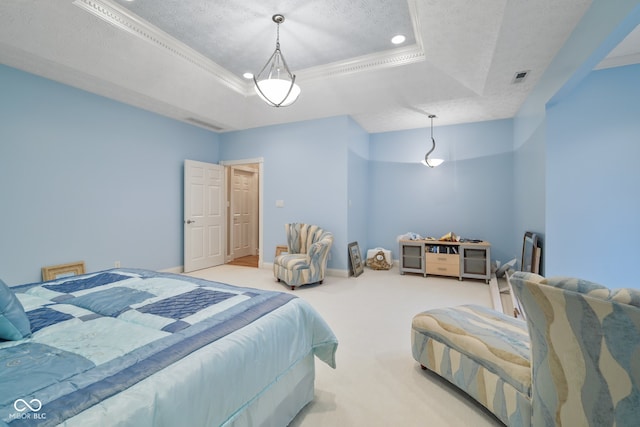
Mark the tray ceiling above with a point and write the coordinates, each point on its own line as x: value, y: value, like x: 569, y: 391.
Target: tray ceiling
x: 185, y: 58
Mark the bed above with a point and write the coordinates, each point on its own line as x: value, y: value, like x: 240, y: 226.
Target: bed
x: 142, y: 348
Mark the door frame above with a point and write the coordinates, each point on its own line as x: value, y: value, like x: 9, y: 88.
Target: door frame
x: 253, y: 189
x: 260, y: 162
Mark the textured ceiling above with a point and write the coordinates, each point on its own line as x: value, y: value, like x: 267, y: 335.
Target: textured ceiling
x: 241, y: 35
x: 184, y: 59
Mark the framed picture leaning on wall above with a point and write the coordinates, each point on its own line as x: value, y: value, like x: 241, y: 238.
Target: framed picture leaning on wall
x: 530, y: 253
x: 355, y: 260
x: 62, y: 270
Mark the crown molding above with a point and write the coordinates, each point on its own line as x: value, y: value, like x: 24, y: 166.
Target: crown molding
x: 124, y: 19
x: 373, y: 61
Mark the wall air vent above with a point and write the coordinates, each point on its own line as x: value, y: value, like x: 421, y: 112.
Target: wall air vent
x: 204, y: 124
x: 520, y: 76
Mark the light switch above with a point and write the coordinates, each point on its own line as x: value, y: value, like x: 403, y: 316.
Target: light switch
x: 279, y: 203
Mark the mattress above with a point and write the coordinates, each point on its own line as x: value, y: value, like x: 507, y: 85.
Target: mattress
x: 136, y: 347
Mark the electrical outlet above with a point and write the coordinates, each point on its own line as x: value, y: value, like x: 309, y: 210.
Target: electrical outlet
x: 117, y: 264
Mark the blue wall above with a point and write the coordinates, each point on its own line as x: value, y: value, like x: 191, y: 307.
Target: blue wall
x: 358, y: 187
x: 469, y: 194
x: 603, y: 26
x: 305, y: 165
x: 86, y: 178
x: 529, y: 196
x: 372, y: 188
x: 593, y: 204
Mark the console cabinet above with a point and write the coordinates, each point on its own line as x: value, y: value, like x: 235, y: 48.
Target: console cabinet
x: 412, y: 257
x: 470, y: 260
x: 475, y: 262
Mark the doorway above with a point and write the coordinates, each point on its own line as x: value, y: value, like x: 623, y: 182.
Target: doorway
x: 244, y: 212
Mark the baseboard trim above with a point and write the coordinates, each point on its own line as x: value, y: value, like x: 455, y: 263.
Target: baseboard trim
x: 176, y: 270
x: 337, y: 273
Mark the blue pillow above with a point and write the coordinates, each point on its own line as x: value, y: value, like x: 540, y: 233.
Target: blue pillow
x: 14, y: 323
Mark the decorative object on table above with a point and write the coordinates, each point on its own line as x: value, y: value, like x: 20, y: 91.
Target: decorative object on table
x: 379, y: 259
x: 306, y: 259
x: 409, y: 236
x: 450, y: 237
x: 274, y: 83
x: 431, y: 162
x: 62, y: 270
x: 355, y: 259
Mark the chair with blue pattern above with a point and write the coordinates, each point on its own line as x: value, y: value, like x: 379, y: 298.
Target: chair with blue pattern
x: 306, y: 260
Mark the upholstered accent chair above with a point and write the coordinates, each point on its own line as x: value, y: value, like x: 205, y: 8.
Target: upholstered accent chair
x: 574, y: 362
x: 306, y: 259
x: 585, y: 351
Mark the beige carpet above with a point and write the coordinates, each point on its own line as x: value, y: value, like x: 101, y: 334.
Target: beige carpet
x: 377, y: 382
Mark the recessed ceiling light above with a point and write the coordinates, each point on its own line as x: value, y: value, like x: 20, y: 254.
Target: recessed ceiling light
x: 399, y: 39
x: 247, y: 76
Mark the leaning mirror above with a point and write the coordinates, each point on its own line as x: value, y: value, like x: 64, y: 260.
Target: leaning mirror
x: 530, y: 253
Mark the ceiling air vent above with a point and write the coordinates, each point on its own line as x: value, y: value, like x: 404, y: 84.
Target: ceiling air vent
x: 520, y: 76
x: 203, y: 124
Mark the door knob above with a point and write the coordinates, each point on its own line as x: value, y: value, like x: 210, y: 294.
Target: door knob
x: 189, y: 221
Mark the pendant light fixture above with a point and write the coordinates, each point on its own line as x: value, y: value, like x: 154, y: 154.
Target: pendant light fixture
x: 432, y: 163
x: 274, y: 83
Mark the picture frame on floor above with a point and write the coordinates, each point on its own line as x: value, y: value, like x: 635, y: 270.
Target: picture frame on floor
x: 59, y: 271
x: 355, y: 259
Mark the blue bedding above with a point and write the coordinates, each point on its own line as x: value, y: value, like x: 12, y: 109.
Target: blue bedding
x: 95, y: 335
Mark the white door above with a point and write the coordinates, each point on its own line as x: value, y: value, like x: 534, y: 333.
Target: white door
x: 204, y: 215
x: 243, y: 211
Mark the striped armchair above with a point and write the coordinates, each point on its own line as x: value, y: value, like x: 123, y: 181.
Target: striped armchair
x: 575, y: 362
x: 306, y: 260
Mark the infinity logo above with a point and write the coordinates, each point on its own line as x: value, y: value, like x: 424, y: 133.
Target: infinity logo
x: 21, y: 405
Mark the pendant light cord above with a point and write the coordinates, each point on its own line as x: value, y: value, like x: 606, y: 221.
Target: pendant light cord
x: 433, y: 141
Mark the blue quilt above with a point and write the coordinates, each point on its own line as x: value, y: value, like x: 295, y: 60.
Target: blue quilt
x: 98, y: 334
